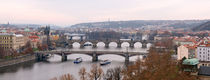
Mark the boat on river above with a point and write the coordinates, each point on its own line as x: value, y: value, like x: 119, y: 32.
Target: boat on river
x: 87, y: 44
x: 78, y: 60
x: 105, y: 62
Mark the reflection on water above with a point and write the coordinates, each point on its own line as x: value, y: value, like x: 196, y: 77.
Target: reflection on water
x: 53, y: 67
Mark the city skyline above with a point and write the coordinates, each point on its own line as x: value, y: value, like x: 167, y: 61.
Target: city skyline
x: 65, y: 12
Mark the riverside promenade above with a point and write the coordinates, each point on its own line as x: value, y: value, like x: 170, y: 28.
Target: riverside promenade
x: 17, y: 60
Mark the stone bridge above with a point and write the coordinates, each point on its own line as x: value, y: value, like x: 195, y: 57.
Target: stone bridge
x: 107, y: 42
x: 41, y: 55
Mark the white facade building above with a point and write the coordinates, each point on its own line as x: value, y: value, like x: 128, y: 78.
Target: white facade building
x: 182, y: 52
x: 203, y: 53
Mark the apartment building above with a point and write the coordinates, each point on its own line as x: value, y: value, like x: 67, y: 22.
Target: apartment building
x: 12, y: 41
x: 203, y: 52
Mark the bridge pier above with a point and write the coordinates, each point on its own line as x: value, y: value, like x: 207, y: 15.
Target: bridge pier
x: 94, y: 45
x: 82, y: 45
x: 40, y: 57
x: 119, y: 44
x: 126, y: 59
x: 70, y: 46
x: 64, y: 57
x: 94, y: 57
x: 132, y: 43
x: 71, y: 37
x: 106, y: 45
x: 81, y: 38
x: 144, y: 45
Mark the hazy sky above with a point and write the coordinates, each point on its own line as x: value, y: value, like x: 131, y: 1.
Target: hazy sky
x: 68, y: 12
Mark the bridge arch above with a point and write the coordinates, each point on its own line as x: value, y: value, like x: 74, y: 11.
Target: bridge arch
x: 137, y: 44
x: 125, y: 44
x: 76, y: 44
x: 88, y: 42
x: 55, y: 58
x: 114, y: 57
x: 100, y: 44
x: 135, y: 57
x: 113, y: 44
x: 85, y: 57
x: 149, y: 45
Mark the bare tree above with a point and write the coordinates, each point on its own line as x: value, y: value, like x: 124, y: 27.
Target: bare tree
x: 65, y: 77
x: 83, y: 74
x: 114, y: 74
x: 96, y: 72
x: 2, y: 52
x: 157, y: 66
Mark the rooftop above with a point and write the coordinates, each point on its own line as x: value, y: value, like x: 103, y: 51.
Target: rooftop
x: 204, y: 71
x: 192, y: 61
x: 6, y: 34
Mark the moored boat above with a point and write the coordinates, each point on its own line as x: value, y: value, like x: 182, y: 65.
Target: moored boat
x: 78, y: 60
x: 87, y: 44
x: 105, y: 62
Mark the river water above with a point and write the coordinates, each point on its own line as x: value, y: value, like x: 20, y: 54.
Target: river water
x: 53, y: 67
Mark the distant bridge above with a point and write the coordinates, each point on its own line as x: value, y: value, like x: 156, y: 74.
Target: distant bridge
x: 107, y: 42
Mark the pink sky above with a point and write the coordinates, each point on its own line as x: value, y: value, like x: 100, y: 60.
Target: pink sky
x: 69, y: 12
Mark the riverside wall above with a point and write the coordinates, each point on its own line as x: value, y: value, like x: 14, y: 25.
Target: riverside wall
x: 17, y: 60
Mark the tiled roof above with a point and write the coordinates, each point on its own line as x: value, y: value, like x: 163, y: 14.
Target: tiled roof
x: 204, y: 71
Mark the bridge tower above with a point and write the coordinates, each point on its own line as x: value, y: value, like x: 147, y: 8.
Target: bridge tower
x: 47, y: 33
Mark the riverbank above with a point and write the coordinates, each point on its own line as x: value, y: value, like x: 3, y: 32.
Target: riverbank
x: 17, y: 60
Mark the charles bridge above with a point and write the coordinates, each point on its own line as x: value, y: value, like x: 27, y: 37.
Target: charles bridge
x: 42, y: 55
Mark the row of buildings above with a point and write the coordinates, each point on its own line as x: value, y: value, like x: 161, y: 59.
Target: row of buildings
x: 194, y: 47
x: 15, y: 38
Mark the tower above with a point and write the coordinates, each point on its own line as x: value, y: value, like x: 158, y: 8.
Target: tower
x: 47, y: 33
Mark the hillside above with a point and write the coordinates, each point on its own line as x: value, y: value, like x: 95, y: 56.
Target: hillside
x: 140, y: 23
x: 202, y: 27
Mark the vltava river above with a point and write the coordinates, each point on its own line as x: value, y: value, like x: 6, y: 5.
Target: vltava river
x: 53, y: 67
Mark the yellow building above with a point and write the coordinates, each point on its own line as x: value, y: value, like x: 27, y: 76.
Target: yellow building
x: 11, y: 41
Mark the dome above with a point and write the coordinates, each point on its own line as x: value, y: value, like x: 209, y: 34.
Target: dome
x: 27, y: 30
